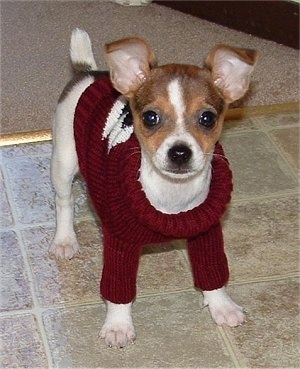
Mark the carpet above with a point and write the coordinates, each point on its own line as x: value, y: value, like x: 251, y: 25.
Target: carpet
x: 35, y: 62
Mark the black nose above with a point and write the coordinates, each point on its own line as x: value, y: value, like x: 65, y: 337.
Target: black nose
x: 179, y: 154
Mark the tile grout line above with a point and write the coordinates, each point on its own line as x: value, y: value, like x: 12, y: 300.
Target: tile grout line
x: 273, y: 196
x: 230, y: 349
x: 35, y: 309
x: 273, y: 278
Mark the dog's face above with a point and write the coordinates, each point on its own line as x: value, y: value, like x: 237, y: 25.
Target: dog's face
x: 178, y: 117
x: 178, y: 110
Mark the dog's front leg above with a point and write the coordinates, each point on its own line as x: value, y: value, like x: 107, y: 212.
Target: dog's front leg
x: 118, y: 284
x: 210, y: 271
x: 118, y: 329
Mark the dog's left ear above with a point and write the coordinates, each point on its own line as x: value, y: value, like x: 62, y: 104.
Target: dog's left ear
x: 231, y: 69
x: 129, y: 61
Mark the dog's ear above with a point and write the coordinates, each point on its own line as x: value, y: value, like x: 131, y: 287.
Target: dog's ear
x: 231, y: 69
x: 129, y: 61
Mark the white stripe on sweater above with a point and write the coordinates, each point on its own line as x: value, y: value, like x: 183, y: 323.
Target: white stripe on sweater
x: 114, y: 129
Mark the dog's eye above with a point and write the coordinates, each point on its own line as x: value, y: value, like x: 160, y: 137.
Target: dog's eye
x: 150, y: 118
x: 207, y: 119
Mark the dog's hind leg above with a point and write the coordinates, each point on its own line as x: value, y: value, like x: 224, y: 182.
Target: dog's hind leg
x: 64, y: 165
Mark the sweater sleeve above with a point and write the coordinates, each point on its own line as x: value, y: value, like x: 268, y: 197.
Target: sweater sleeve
x: 208, y: 259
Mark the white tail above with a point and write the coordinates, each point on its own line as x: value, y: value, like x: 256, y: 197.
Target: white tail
x: 81, y: 51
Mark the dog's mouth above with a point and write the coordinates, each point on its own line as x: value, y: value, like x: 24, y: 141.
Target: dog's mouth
x: 179, y: 172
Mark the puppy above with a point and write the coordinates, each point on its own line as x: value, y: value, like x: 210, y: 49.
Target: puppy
x: 145, y: 139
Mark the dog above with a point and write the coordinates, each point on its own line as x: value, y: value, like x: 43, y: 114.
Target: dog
x: 145, y: 139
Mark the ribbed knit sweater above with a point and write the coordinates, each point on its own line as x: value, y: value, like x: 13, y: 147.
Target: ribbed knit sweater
x: 109, y: 160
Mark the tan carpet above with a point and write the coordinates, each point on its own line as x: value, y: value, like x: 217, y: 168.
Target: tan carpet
x: 35, y: 42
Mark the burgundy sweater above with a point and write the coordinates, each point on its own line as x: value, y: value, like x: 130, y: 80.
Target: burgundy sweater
x: 109, y: 160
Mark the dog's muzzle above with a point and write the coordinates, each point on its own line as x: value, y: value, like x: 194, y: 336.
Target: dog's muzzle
x: 179, y: 156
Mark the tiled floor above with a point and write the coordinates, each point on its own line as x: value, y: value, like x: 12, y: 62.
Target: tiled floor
x: 50, y: 309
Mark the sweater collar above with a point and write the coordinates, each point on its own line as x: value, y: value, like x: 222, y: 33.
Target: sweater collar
x: 185, y: 224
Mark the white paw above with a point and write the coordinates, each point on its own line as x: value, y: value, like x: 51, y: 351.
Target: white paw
x: 118, y: 329
x: 223, y: 309
x: 65, y: 249
x: 117, y: 334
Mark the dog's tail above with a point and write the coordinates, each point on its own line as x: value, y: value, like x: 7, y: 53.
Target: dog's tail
x: 81, y: 51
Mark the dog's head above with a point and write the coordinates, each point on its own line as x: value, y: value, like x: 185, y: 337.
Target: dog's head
x: 178, y: 110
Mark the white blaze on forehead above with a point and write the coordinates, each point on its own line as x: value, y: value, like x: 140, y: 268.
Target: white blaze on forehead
x: 176, y: 99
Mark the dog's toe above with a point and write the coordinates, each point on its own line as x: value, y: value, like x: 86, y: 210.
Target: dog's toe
x: 117, y: 335
x: 65, y: 249
x: 231, y: 316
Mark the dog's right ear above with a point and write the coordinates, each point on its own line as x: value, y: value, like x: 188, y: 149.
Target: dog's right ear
x: 129, y: 61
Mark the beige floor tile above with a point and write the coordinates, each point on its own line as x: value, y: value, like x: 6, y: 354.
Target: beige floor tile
x: 163, y: 268
x: 172, y: 331
x: 29, y: 180
x: 15, y: 291
x: 32, y: 191
x: 6, y: 218
x: 59, y: 281
x: 270, y: 338
x: 21, y: 345
x: 258, y: 168
x: 288, y: 140
x: 261, y: 238
x: 239, y: 125
x: 270, y: 121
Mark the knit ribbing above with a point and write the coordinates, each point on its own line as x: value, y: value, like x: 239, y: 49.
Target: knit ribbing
x: 128, y: 219
x: 118, y: 282
x: 208, y: 259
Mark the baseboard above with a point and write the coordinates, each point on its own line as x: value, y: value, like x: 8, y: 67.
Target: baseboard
x: 272, y: 20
